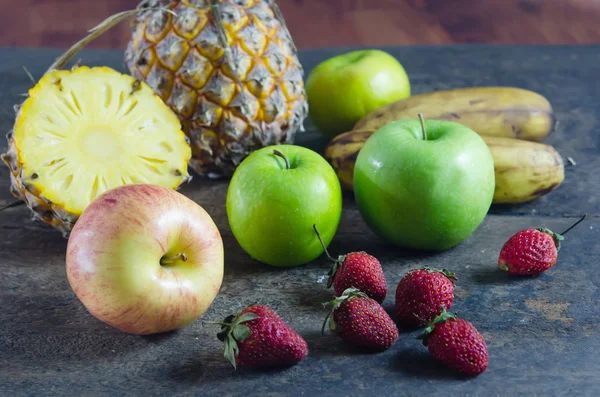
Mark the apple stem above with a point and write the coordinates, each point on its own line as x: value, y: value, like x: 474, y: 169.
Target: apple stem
x: 287, y: 162
x: 422, y: 119
x: 573, y: 225
x: 322, y: 243
x: 171, y: 259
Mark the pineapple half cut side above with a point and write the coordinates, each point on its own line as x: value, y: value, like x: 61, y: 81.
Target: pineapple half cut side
x: 82, y: 132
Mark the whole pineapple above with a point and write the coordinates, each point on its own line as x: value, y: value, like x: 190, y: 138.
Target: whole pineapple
x: 228, y: 68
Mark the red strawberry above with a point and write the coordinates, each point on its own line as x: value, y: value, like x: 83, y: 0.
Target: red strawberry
x: 361, y: 321
x: 258, y: 337
x: 456, y: 343
x: 531, y: 251
x: 420, y: 295
x: 356, y: 270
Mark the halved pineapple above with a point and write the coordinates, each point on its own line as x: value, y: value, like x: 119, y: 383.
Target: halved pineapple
x: 85, y: 131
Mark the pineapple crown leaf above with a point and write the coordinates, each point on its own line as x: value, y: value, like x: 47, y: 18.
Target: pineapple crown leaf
x: 443, y: 317
x: 233, y: 331
x: 332, y: 305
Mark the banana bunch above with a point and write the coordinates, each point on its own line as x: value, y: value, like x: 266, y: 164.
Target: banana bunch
x: 512, y: 122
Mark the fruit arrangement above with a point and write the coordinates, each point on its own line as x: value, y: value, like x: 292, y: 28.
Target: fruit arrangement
x: 511, y: 121
x: 99, y: 155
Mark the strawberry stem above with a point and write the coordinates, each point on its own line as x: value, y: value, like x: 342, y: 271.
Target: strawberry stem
x: 322, y: 243
x: 573, y: 225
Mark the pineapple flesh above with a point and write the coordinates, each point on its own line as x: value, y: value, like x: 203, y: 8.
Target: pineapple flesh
x: 228, y: 68
x: 86, y: 131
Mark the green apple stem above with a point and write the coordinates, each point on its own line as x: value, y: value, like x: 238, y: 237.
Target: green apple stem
x: 573, y: 225
x: 172, y: 259
x: 422, y: 120
x: 287, y: 162
x: 322, y: 243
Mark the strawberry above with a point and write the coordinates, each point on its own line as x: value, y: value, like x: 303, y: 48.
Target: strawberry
x: 456, y: 343
x: 531, y: 251
x: 356, y: 270
x: 360, y: 321
x: 258, y: 337
x: 420, y: 295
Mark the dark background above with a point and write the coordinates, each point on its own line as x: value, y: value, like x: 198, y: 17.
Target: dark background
x: 334, y: 23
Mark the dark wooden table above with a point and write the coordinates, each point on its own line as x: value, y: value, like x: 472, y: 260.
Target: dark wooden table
x: 543, y: 333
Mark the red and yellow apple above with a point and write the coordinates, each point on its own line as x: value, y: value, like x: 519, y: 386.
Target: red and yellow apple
x: 145, y: 259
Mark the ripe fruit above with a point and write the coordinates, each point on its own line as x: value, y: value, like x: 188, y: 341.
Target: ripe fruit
x: 343, y: 89
x: 228, y: 68
x: 258, y: 337
x: 531, y: 251
x: 421, y: 294
x: 356, y: 270
x: 360, y: 321
x: 82, y: 132
x: 275, y: 197
x: 495, y: 111
x: 145, y: 259
x: 456, y: 343
x: 523, y: 170
x: 424, y: 185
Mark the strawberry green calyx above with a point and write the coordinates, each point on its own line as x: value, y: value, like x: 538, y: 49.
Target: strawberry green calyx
x: 558, y: 237
x: 337, y: 263
x: 332, y: 305
x: 450, y: 275
x: 555, y: 236
x: 443, y: 317
x: 233, y: 331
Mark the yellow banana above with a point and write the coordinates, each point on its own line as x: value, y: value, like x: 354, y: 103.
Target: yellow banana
x: 494, y: 111
x: 524, y: 170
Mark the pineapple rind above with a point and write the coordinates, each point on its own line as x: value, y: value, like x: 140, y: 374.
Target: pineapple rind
x: 230, y: 102
x: 26, y: 156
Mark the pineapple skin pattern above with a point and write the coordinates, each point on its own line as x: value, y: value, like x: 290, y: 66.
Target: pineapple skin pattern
x: 229, y: 71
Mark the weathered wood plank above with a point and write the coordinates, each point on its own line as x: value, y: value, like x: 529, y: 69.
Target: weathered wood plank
x: 543, y: 332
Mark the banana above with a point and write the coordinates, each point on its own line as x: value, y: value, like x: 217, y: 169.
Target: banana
x: 494, y: 111
x: 524, y: 170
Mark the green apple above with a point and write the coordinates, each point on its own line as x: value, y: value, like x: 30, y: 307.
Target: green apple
x: 424, y: 185
x: 275, y: 196
x: 345, y: 88
x: 145, y: 259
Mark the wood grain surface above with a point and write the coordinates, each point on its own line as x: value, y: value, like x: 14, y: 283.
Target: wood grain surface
x: 335, y: 23
x: 543, y: 333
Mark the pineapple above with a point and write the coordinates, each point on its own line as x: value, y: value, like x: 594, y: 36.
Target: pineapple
x: 228, y: 68
x: 84, y: 131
